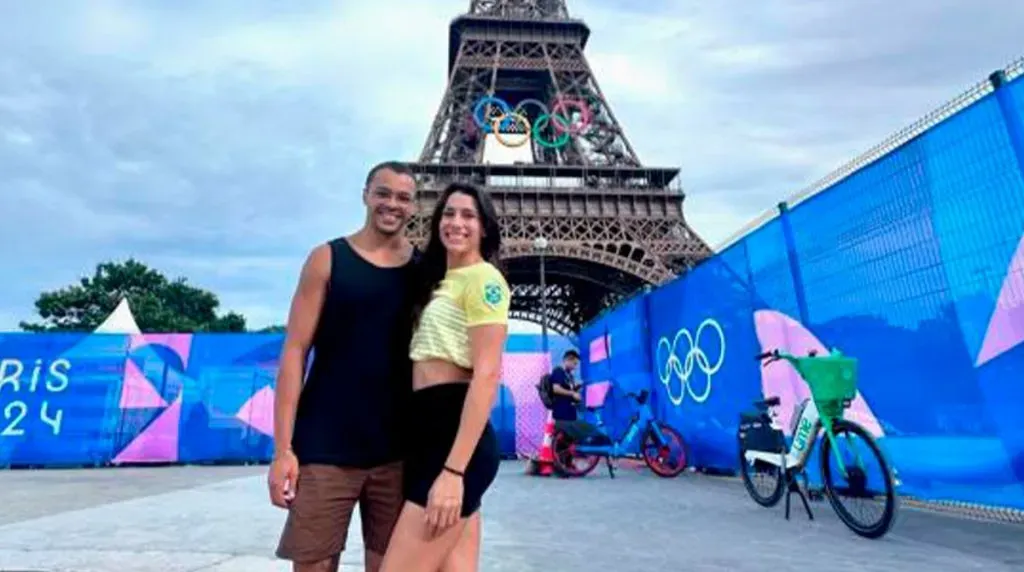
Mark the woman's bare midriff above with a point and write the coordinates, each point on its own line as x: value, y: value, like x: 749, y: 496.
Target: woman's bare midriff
x: 435, y: 372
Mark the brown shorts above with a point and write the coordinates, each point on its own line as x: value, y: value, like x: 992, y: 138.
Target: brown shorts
x: 325, y: 496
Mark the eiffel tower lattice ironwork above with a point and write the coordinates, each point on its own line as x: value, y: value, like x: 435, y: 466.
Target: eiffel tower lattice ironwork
x: 613, y: 225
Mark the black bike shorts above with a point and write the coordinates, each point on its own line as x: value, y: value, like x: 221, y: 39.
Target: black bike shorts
x: 436, y: 412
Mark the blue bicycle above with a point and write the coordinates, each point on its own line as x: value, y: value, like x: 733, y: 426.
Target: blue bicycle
x: 578, y: 446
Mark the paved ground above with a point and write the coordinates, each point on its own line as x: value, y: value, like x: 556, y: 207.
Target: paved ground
x: 217, y: 519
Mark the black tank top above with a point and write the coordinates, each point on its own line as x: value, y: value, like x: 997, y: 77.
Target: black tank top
x: 351, y: 408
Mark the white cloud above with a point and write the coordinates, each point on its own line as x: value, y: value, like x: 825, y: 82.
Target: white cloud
x: 111, y: 28
x: 222, y: 140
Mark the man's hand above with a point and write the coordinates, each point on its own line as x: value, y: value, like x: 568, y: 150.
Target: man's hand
x: 284, y: 473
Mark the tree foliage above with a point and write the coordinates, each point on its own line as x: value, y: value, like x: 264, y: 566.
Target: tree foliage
x: 159, y: 304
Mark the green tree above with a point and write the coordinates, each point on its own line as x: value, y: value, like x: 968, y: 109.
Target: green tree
x: 159, y: 304
x: 276, y: 329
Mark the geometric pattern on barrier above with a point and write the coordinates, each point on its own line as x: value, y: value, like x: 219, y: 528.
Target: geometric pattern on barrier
x: 1006, y: 327
x: 158, y: 443
x: 136, y: 391
x: 600, y: 348
x: 179, y: 345
x: 258, y: 411
x: 158, y: 440
x: 161, y: 398
x: 776, y: 330
x: 520, y: 373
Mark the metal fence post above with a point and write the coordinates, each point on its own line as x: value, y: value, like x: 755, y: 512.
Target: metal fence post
x: 751, y: 287
x: 648, y: 339
x: 1011, y: 117
x: 656, y: 403
x: 794, y: 263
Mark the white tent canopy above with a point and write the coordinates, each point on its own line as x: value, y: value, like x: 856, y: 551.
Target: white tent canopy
x: 120, y: 321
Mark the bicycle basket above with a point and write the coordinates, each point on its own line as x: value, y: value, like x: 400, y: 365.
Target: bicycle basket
x: 832, y: 379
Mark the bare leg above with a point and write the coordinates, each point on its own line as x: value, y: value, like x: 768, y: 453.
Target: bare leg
x: 465, y: 557
x: 413, y: 548
x: 329, y: 565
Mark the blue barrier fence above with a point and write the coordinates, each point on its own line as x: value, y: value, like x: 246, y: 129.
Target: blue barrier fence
x: 99, y: 399
x: 911, y: 260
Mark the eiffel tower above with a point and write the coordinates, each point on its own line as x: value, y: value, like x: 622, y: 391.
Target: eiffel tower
x: 612, y: 225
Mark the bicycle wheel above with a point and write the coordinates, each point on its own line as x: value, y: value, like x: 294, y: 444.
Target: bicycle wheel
x: 566, y: 461
x: 857, y: 480
x: 768, y: 495
x: 667, y: 460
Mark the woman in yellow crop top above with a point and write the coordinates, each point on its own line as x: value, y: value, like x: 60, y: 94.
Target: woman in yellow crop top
x: 461, y: 323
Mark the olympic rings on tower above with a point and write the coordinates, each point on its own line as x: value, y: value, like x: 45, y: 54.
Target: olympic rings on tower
x: 493, y: 115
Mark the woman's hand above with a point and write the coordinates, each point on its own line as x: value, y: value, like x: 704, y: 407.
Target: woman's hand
x: 444, y: 502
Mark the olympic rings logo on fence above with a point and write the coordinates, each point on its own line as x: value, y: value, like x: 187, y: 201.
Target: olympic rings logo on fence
x: 683, y: 368
x: 493, y: 115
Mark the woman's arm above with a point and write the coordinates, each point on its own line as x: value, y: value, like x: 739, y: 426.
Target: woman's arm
x: 486, y: 303
x: 487, y: 346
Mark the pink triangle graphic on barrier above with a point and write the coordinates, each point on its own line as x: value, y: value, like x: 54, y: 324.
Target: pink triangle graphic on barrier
x: 776, y: 330
x: 136, y: 391
x: 181, y: 344
x: 158, y: 443
x: 1006, y: 326
x: 258, y: 411
x: 600, y: 348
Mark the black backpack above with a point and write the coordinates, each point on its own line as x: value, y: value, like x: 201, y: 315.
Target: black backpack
x: 547, y: 396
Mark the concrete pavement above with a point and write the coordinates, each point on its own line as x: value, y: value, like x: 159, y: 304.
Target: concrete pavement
x: 217, y: 519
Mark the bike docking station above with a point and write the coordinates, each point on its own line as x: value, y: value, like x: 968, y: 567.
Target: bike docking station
x: 832, y: 380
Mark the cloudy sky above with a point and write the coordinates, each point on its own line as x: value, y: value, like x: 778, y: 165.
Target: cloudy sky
x: 220, y: 140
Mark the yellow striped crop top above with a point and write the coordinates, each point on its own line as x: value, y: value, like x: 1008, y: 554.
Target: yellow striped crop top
x: 469, y: 296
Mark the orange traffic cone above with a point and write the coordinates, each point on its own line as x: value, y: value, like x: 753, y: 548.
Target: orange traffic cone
x: 543, y: 464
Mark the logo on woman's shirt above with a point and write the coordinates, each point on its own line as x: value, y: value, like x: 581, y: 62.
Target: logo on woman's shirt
x: 493, y: 293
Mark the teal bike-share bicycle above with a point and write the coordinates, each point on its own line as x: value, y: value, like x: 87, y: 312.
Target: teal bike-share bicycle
x: 762, y: 447
x: 578, y: 446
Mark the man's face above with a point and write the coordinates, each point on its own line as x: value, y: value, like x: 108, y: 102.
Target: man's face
x: 390, y: 201
x: 571, y: 363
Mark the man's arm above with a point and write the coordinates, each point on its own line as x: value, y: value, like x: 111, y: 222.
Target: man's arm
x: 302, y: 321
x: 560, y: 384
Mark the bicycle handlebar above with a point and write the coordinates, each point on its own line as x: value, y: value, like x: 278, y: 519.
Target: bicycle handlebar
x: 639, y: 397
x: 777, y: 354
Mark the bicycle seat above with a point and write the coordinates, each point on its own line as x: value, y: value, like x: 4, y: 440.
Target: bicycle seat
x: 766, y: 403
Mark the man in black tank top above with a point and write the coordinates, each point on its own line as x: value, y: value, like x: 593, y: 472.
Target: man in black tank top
x: 337, y: 438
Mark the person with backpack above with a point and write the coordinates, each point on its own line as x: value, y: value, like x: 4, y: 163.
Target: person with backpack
x: 565, y: 393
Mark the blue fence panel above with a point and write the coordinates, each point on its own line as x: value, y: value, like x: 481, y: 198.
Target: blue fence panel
x: 764, y: 253
x: 702, y: 340
x: 882, y: 285
x: 706, y: 329
x: 614, y: 350
x: 915, y: 265
x: 57, y: 396
x: 80, y: 399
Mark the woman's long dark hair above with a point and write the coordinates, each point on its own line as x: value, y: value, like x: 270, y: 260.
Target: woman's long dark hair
x: 434, y: 261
